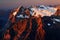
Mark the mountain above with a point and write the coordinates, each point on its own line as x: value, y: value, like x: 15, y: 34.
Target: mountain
x: 58, y: 11
x: 29, y: 24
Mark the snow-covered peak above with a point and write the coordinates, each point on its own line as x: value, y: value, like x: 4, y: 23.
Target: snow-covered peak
x: 42, y: 10
x: 35, y: 11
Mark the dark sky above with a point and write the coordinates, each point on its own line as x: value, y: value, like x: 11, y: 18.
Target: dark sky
x: 16, y: 3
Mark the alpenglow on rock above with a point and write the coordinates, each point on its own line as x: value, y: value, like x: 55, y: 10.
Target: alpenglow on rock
x: 42, y: 10
x: 37, y: 11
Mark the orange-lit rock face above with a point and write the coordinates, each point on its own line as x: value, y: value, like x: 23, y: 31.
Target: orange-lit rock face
x: 25, y: 29
x: 40, y: 31
x: 27, y: 12
x: 7, y: 35
x: 57, y: 12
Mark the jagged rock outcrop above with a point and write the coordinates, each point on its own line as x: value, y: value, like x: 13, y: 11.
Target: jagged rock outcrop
x: 25, y: 28
x: 22, y: 25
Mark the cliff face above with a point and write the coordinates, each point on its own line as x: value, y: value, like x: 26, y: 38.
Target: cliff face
x: 25, y: 28
x: 58, y: 11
